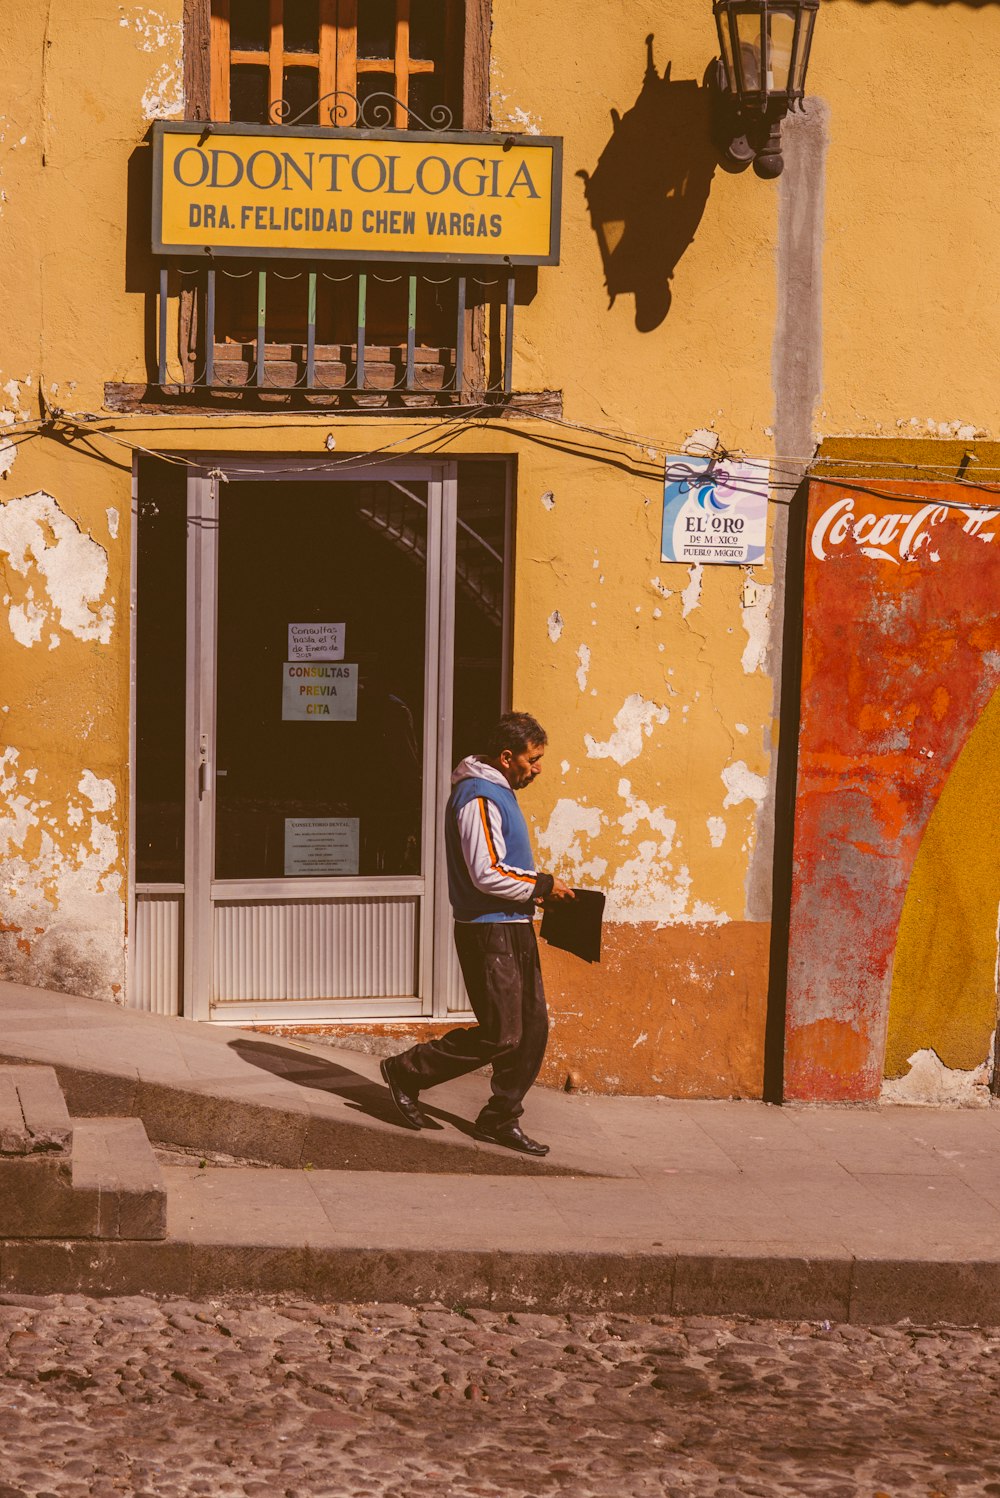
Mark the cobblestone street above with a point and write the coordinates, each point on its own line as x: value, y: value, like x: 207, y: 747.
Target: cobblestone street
x: 286, y: 1400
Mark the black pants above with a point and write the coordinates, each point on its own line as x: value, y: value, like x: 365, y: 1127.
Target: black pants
x: 499, y: 961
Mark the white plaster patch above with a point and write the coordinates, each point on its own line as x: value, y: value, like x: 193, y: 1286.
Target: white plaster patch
x: 113, y: 517
x: 964, y: 431
x: 68, y: 568
x: 741, y: 728
x: 549, y: 500
x: 639, y: 811
x: 691, y: 596
x: 635, y: 718
x: 716, y: 831
x: 929, y: 1081
x: 647, y: 886
x: 701, y: 443
x: 570, y: 822
x: 756, y: 611
x: 525, y: 122
x: 20, y: 811
x: 163, y: 97
x: 555, y: 625
x: 27, y: 620
x: 583, y: 656
x: 8, y: 449
x: 64, y: 893
x: 100, y: 793
x: 743, y: 784
x: 565, y: 766
x: 12, y: 390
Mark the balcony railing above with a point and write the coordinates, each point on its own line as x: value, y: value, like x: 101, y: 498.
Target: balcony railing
x: 335, y: 333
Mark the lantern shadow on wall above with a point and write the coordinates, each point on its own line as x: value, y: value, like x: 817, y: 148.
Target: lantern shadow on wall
x: 647, y: 194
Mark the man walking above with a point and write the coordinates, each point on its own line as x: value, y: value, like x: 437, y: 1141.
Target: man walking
x: 493, y: 887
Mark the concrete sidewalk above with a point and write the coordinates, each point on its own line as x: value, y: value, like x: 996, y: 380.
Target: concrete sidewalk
x: 643, y: 1204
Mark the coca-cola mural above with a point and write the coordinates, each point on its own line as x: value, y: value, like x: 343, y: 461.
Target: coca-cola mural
x: 896, y: 869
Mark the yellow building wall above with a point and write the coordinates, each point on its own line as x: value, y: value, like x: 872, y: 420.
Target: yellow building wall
x: 944, y: 972
x: 851, y: 296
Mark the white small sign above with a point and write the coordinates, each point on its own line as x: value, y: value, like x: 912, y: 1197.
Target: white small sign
x: 321, y: 845
x: 316, y: 642
x: 319, y: 693
x: 714, y: 511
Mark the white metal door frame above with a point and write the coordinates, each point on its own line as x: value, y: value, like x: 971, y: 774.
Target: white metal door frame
x: 202, y: 890
x: 199, y: 809
x: 449, y: 989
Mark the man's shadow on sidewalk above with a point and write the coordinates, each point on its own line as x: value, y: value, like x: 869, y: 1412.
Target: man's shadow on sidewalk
x: 360, y: 1093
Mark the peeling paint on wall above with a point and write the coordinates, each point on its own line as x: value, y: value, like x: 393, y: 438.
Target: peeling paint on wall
x: 571, y: 821
x: 742, y: 784
x: 555, y: 625
x: 62, y: 906
x: 964, y: 431
x: 648, y: 883
x: 65, y: 572
x: 701, y: 443
x: 691, y: 596
x: 12, y: 408
x: 163, y: 97
x: 755, y: 608
x: 649, y: 888
x: 638, y: 811
x: 8, y: 450
x: 583, y: 656
x: 634, y: 720
x: 930, y: 1083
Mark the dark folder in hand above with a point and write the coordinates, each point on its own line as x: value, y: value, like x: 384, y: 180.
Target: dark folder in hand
x: 575, y: 925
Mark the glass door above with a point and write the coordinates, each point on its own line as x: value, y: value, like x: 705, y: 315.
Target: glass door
x: 320, y: 719
x: 313, y: 679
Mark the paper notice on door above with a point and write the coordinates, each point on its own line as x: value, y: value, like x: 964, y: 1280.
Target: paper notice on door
x: 316, y: 642
x: 321, y: 845
x: 319, y: 693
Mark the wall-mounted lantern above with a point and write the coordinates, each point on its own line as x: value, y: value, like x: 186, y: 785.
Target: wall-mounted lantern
x: 761, y: 75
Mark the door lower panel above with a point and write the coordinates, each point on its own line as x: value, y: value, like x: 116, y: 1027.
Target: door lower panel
x: 297, y: 951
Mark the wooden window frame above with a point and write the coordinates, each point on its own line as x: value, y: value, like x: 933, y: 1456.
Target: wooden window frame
x: 475, y: 117
x: 206, y: 43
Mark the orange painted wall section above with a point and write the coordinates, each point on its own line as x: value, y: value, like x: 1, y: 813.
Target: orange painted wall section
x: 664, y: 1014
x: 901, y: 650
x: 670, y: 1011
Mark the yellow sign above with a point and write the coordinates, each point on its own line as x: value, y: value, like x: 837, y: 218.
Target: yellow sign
x: 398, y: 195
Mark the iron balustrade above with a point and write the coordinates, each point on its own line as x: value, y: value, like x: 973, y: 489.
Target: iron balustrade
x: 209, y: 357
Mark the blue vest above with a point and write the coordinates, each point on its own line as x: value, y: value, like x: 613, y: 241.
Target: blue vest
x: 467, y: 902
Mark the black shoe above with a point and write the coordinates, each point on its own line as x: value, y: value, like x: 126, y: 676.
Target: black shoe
x: 512, y: 1137
x: 405, y: 1102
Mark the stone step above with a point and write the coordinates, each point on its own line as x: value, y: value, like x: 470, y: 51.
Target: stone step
x: 33, y: 1114
x: 113, y: 1158
x: 95, y: 1178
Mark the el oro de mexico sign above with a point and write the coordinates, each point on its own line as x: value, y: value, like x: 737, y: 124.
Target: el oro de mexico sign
x: 351, y: 194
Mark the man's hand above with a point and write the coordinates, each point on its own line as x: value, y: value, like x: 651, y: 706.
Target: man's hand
x: 560, y: 891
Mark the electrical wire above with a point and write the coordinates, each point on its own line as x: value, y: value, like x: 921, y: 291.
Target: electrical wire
x: 785, y: 471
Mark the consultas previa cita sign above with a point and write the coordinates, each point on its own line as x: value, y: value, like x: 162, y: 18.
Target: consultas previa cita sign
x: 350, y: 194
